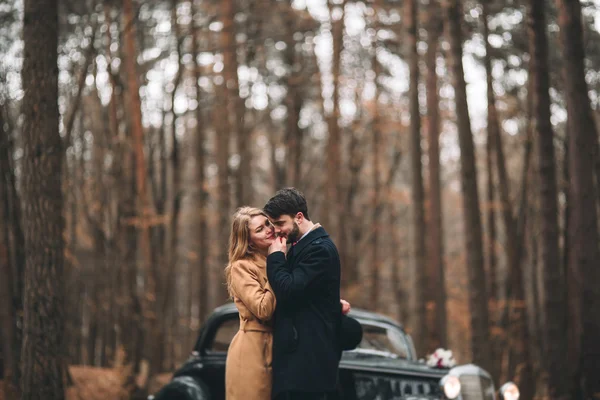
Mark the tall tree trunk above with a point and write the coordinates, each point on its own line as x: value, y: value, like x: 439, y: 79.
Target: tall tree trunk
x: 223, y: 131
x: 9, y: 289
x: 356, y: 157
x: 376, y: 205
x: 492, y: 236
x: 293, y: 103
x: 7, y: 315
x: 10, y: 214
x: 200, y: 177
x: 553, y: 293
x: 235, y: 106
x: 583, y: 145
x: 519, y: 334
x: 166, y: 235
x: 141, y: 187
x: 422, y: 336
x: 334, y: 213
x: 480, y: 344
x: 43, y: 220
x: 492, y: 122
x: 436, y: 224
x: 115, y: 142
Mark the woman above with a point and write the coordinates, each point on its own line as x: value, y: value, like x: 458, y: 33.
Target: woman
x: 248, y: 368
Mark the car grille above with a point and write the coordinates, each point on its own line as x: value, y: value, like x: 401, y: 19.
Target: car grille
x: 475, y: 387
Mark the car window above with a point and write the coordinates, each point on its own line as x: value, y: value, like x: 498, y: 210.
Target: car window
x: 225, y: 333
x: 384, y: 339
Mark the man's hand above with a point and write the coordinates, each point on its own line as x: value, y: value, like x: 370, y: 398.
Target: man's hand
x: 279, y: 244
x: 345, y: 307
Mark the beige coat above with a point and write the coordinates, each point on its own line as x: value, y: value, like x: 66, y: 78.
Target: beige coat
x: 248, y: 368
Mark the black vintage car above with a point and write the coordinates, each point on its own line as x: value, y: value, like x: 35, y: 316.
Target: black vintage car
x: 383, y: 366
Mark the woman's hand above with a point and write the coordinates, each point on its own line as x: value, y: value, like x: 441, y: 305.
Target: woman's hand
x: 345, y: 307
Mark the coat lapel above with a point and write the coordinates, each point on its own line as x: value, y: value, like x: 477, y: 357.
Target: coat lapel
x: 308, y: 239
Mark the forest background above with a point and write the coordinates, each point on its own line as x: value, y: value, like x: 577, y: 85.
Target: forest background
x: 450, y: 148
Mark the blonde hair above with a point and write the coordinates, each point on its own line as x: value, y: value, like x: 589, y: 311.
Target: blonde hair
x: 240, y: 247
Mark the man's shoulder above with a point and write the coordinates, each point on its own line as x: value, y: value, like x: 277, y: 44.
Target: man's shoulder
x: 324, y: 241
x: 323, y: 245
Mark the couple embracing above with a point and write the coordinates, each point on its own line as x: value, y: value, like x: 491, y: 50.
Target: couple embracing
x: 293, y: 324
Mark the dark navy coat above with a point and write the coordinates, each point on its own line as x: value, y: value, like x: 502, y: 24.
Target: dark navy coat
x: 306, y: 339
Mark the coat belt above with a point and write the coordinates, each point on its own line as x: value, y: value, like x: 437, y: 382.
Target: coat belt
x: 254, y: 325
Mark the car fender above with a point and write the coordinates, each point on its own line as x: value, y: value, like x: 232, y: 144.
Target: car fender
x: 183, y: 388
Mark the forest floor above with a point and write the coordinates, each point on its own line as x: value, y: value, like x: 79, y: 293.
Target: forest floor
x: 91, y: 383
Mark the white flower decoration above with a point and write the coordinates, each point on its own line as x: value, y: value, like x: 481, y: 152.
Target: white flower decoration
x: 441, y: 358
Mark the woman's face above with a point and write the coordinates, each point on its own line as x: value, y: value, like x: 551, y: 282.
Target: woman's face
x: 262, y: 233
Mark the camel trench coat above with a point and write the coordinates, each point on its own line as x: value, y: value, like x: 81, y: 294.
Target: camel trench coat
x: 248, y: 373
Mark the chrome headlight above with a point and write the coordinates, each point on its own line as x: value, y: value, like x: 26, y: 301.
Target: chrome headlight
x: 509, y: 391
x: 451, y: 386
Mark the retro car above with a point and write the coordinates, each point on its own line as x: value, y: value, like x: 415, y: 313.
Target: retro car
x: 383, y: 366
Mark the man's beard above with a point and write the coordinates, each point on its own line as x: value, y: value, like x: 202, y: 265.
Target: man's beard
x: 294, y: 234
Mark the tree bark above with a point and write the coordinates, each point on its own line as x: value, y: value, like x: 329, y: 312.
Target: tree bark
x: 516, y: 330
x: 353, y: 234
x: 334, y: 213
x: 376, y: 204
x: 222, y: 141
x: 492, y: 122
x: 235, y: 106
x: 492, y: 237
x: 480, y: 344
x: 293, y: 103
x: 10, y: 214
x: 583, y: 145
x: 422, y: 336
x: 553, y: 289
x: 201, y: 177
x: 554, y: 312
x: 437, y: 281
x: 10, y: 290
x: 43, y: 219
x: 7, y: 315
x: 142, y: 221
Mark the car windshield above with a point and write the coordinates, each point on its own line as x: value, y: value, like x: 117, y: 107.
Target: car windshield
x: 378, y: 339
x: 383, y: 340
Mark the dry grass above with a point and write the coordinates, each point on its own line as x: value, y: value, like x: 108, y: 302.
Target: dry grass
x: 158, y: 382
x: 91, y: 383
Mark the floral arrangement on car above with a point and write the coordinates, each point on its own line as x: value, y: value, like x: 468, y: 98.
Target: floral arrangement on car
x: 441, y: 358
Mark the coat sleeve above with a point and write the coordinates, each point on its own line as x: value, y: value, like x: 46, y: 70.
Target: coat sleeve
x: 246, y: 284
x: 292, y: 284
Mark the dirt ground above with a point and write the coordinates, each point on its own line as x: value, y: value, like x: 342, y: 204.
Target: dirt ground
x: 92, y: 383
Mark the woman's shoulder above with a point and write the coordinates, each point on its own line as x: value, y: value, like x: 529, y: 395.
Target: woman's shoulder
x: 245, y: 264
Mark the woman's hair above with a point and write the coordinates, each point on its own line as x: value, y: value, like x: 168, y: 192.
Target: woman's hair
x: 240, y: 247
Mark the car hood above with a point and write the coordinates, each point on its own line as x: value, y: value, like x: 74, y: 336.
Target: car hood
x: 390, y: 365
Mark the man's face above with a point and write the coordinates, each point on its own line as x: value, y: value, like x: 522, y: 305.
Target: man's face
x: 287, y: 227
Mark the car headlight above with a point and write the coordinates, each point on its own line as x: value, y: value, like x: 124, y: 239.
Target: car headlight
x: 451, y: 386
x: 510, y: 391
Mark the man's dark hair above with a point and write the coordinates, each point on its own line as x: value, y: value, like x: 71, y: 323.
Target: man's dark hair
x: 288, y: 201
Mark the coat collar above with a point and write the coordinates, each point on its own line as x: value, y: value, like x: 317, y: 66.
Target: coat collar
x: 308, y: 239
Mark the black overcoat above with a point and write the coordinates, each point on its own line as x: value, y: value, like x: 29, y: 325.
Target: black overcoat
x: 306, y: 334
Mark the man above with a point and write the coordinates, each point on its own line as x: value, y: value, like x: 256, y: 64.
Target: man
x: 306, y: 341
